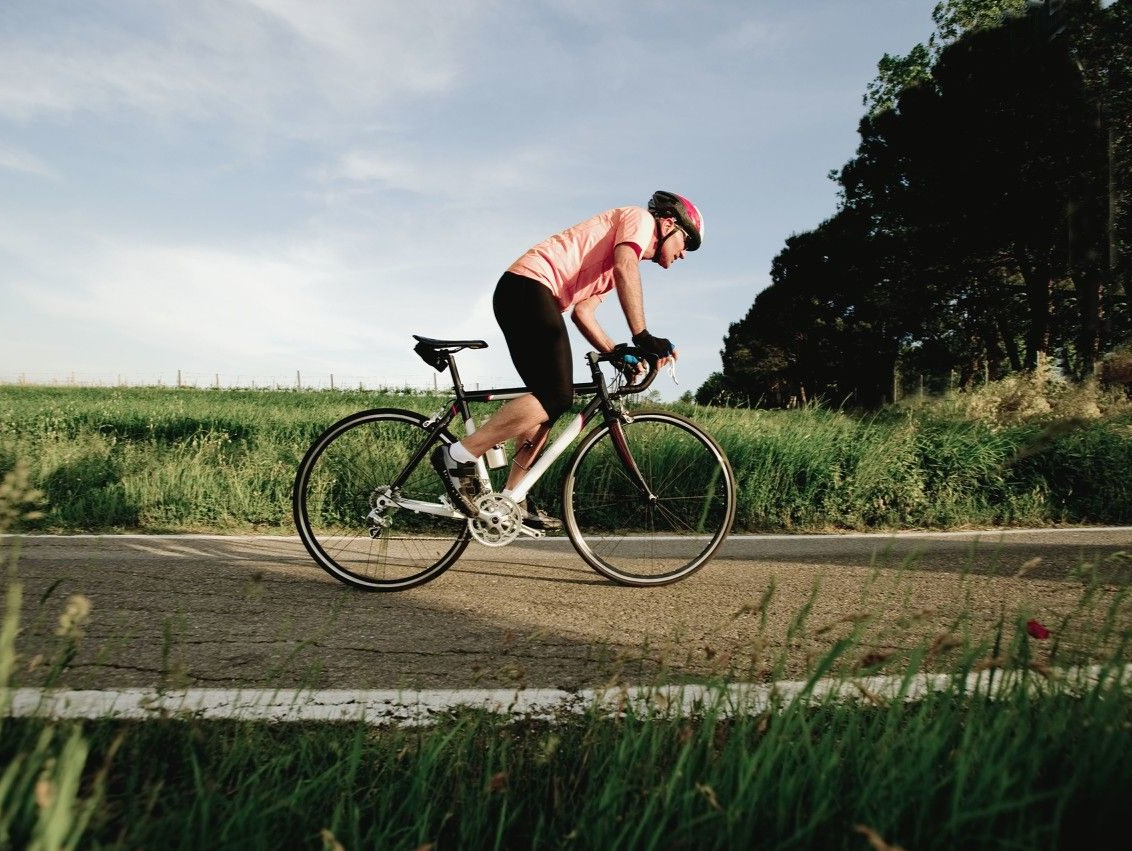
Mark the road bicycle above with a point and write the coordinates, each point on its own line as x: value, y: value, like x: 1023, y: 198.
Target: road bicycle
x: 647, y: 496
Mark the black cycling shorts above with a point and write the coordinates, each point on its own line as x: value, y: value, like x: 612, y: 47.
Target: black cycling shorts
x: 536, y: 336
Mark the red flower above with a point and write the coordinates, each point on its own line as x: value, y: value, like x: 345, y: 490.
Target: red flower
x: 1036, y: 629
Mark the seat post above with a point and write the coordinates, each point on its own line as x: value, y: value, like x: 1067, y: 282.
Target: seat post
x: 456, y: 384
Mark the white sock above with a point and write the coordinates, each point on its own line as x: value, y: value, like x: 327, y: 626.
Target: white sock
x: 460, y: 455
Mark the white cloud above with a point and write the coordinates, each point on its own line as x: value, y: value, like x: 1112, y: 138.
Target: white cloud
x: 520, y: 170
x: 751, y: 34
x: 22, y: 161
x: 312, y: 303
x: 244, y: 307
x: 412, y: 48
x: 173, y: 70
x: 261, y: 60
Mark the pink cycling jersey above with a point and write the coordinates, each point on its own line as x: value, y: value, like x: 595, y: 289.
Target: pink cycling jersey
x: 577, y: 263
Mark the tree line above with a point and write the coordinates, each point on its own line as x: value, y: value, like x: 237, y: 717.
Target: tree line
x: 983, y: 224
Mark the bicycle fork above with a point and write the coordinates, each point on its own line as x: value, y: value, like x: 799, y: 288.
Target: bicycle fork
x: 617, y: 434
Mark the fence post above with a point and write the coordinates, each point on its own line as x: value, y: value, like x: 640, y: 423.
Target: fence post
x: 218, y: 381
x: 332, y: 381
x: 178, y: 379
x: 298, y: 380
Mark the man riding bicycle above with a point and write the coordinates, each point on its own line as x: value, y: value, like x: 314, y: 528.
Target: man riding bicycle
x: 575, y: 269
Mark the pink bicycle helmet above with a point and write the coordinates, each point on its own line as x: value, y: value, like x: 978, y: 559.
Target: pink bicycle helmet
x: 687, y: 215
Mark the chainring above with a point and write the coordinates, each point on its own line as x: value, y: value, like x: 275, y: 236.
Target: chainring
x: 501, y: 525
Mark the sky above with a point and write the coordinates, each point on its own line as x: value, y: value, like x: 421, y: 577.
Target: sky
x: 259, y: 188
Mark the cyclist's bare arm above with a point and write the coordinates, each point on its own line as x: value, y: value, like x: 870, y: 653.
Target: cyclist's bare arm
x: 627, y: 279
x: 587, y: 323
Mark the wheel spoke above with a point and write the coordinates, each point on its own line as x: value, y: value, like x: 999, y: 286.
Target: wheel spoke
x: 641, y: 542
x: 676, y: 520
x: 336, y: 482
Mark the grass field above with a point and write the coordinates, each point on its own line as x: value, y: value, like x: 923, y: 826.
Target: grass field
x: 205, y: 460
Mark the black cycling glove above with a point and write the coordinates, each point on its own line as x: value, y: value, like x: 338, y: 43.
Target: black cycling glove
x: 659, y: 346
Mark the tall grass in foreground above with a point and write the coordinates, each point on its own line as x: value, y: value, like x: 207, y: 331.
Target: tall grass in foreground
x: 1039, y: 768
x: 185, y: 460
x: 41, y: 808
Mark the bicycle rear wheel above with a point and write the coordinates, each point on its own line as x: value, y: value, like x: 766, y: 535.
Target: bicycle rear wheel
x: 339, y: 486
x: 661, y: 525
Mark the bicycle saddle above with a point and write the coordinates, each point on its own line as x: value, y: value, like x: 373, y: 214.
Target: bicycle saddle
x: 449, y: 345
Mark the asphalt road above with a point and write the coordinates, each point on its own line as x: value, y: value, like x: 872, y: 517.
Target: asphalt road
x: 181, y: 611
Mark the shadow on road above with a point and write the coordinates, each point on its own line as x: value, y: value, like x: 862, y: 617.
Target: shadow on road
x: 181, y: 611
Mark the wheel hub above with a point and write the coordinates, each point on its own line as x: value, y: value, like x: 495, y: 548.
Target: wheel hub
x: 381, y: 500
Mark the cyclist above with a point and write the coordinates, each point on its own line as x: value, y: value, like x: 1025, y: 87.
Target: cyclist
x: 574, y: 269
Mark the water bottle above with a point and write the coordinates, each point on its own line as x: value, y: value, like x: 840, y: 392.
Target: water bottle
x: 496, y: 456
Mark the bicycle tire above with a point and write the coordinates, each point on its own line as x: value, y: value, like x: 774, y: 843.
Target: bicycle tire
x: 629, y: 537
x: 334, y: 489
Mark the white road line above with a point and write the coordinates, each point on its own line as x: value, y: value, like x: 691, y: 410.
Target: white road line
x: 413, y: 708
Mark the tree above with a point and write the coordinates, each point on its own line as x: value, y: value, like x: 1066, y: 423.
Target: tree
x: 953, y: 19
x: 996, y: 165
x: 983, y: 221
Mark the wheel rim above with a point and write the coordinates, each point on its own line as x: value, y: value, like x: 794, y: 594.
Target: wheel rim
x: 336, y: 490
x: 631, y: 537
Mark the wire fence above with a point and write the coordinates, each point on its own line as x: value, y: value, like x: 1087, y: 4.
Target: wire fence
x: 431, y: 382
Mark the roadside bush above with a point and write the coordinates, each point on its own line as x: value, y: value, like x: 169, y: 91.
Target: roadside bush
x: 1116, y: 371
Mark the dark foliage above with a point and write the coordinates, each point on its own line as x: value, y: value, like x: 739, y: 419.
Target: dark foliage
x: 984, y: 226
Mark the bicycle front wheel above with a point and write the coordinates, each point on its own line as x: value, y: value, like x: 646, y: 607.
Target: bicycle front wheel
x: 349, y: 529
x: 648, y: 501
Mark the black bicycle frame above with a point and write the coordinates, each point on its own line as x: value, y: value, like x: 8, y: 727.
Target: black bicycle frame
x: 602, y: 400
